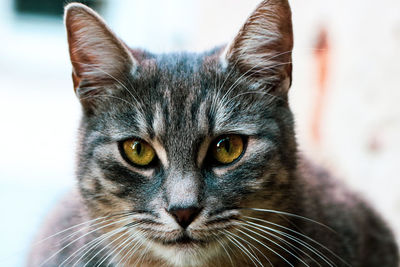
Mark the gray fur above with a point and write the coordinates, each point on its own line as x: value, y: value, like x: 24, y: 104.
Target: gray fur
x: 179, y: 103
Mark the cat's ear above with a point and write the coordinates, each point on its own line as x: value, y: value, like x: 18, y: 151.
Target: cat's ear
x: 98, y: 57
x: 263, y: 47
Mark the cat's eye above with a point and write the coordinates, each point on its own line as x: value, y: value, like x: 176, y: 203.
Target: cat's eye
x: 227, y: 148
x: 138, y: 151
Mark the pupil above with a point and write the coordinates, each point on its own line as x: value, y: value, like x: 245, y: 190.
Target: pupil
x: 138, y: 147
x: 226, y: 144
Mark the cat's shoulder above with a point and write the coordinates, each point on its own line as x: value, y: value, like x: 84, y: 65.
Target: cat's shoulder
x: 356, y: 226
x: 67, y: 217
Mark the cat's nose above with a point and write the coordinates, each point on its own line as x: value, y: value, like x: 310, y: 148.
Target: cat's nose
x: 184, y: 216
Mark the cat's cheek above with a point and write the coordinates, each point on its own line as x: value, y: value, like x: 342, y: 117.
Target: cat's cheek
x: 105, y: 190
x: 89, y: 184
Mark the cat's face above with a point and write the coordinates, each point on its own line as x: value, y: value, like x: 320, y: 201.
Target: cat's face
x: 175, y: 148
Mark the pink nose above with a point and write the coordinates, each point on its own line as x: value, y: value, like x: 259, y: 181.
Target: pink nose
x: 184, y: 216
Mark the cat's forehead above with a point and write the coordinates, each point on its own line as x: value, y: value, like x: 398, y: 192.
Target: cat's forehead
x: 181, y: 99
x: 181, y: 95
x: 180, y: 76
x: 178, y: 64
x: 190, y: 93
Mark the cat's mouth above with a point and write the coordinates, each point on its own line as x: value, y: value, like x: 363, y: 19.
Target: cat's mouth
x: 183, y: 240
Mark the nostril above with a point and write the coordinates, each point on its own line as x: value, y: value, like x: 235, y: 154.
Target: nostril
x: 184, y: 216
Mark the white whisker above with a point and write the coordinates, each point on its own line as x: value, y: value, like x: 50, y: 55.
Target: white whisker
x: 69, y: 228
x: 91, y: 245
x: 270, y: 249
x: 75, y: 240
x: 226, y: 251
x: 292, y: 215
x: 300, y: 234
x: 277, y: 244
x: 106, y: 256
x: 86, y: 227
x: 251, y: 245
x: 240, y: 249
x: 290, y: 244
x: 131, y: 251
x: 122, y: 245
x: 141, y: 257
x: 245, y: 250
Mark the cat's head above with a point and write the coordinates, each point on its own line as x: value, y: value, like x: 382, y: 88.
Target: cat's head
x: 175, y: 149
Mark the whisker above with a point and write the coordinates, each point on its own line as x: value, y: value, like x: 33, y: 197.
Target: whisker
x: 105, y: 257
x: 118, y: 215
x: 270, y: 249
x: 126, y: 240
x: 292, y: 215
x: 245, y: 250
x: 73, y: 227
x: 87, y: 246
x: 90, y: 246
x: 129, y: 239
x: 289, y: 244
x: 69, y: 228
x: 250, y: 244
x: 300, y: 234
x: 75, y: 240
x: 141, y: 257
x: 83, y: 228
x: 131, y: 251
x: 250, y: 247
x: 226, y: 251
x: 240, y: 249
x: 119, y: 230
x: 275, y: 243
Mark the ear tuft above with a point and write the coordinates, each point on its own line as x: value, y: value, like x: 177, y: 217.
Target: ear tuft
x: 263, y: 47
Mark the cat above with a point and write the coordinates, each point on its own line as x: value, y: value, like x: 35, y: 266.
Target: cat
x: 191, y: 159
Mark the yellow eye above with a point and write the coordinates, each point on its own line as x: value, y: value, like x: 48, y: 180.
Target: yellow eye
x: 227, y: 148
x: 138, y: 151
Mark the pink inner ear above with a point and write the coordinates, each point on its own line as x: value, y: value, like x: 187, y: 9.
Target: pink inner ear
x: 95, y: 52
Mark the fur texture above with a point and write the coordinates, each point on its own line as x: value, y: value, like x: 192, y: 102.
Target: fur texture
x: 269, y: 207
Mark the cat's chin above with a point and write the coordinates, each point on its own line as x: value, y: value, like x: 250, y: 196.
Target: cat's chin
x: 184, y: 251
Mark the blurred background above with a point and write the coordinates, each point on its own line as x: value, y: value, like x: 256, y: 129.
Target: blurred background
x: 345, y: 93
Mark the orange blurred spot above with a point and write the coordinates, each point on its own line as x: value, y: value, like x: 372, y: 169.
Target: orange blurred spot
x: 321, y: 54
